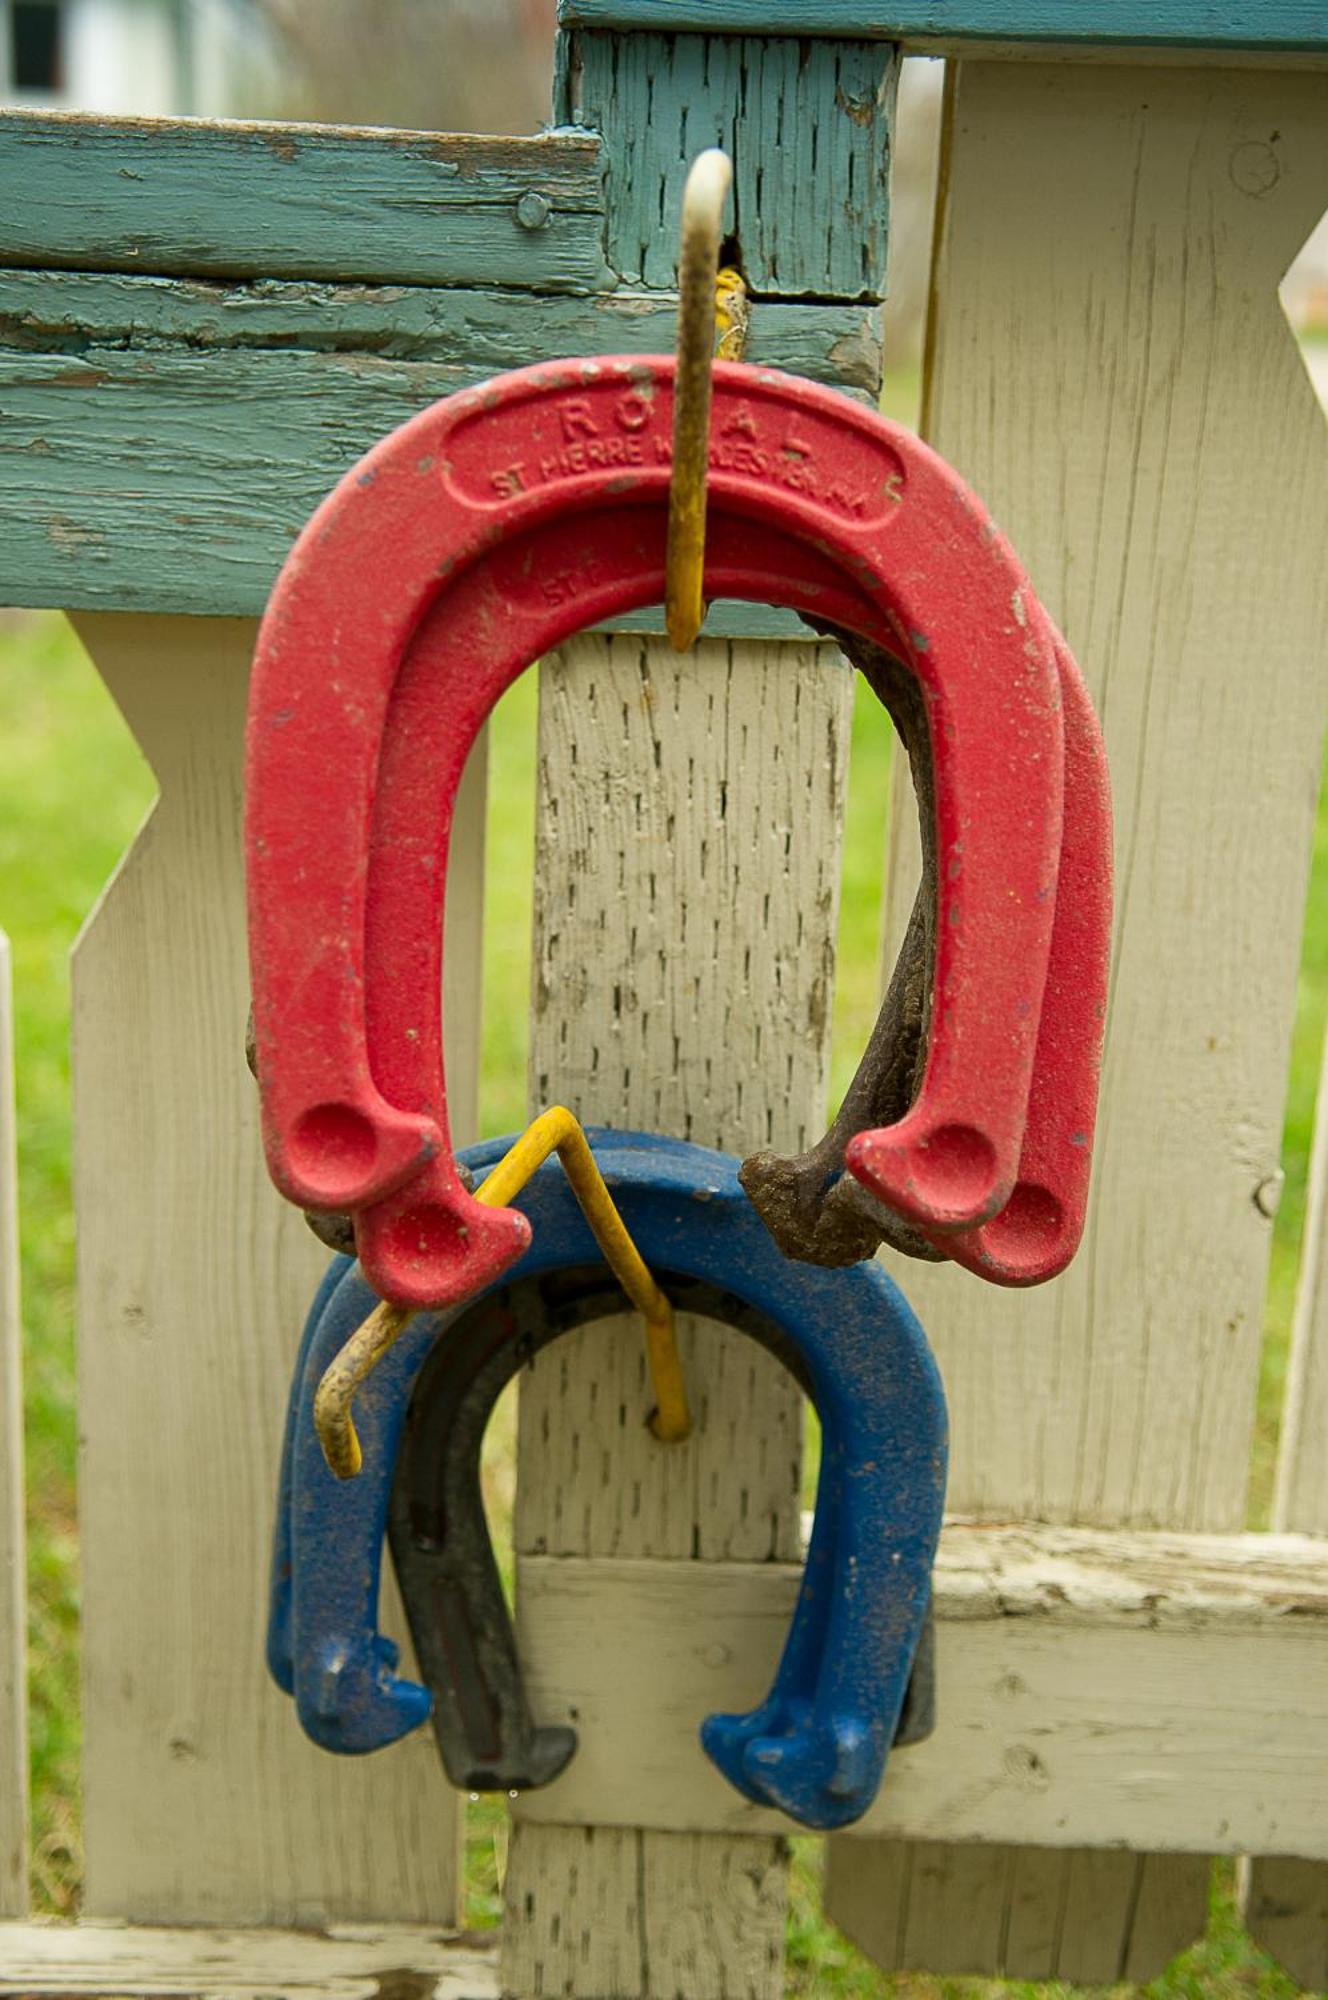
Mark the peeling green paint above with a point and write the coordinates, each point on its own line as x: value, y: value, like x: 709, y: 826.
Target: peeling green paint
x: 807, y: 125
x: 178, y: 198
x: 162, y: 443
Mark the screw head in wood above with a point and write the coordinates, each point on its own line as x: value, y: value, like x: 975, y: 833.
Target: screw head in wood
x: 533, y: 210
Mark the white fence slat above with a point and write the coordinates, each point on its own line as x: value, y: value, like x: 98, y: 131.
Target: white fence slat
x: 13, y: 1567
x: 1113, y: 372
x: 687, y: 871
x: 203, y: 1801
x: 1117, y: 1689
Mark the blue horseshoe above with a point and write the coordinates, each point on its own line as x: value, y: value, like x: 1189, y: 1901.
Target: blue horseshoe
x: 816, y: 1747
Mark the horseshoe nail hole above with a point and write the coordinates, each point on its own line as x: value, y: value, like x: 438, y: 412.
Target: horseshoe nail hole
x: 1028, y: 1226
x: 332, y: 1148
x: 954, y: 1169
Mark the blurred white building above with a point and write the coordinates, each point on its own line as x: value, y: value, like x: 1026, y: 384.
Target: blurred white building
x: 208, y: 58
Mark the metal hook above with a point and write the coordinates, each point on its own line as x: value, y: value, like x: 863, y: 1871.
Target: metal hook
x: 703, y: 200
x: 556, y: 1130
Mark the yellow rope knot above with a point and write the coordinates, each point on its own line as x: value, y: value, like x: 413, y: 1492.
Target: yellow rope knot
x: 557, y: 1131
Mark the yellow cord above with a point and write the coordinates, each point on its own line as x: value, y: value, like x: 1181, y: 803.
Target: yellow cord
x: 733, y: 314
x: 333, y: 1419
x: 557, y: 1131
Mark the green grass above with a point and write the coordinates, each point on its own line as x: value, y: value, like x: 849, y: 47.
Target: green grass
x: 509, y: 893
x: 76, y: 790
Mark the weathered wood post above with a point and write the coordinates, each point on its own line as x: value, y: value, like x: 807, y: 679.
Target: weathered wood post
x: 687, y: 896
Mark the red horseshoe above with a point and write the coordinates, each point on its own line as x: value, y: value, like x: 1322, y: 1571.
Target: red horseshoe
x: 483, y: 533
x: 1036, y: 1234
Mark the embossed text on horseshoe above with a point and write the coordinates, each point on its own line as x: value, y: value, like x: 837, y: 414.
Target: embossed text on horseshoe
x: 746, y: 442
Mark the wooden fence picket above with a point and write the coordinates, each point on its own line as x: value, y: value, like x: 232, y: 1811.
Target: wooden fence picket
x: 1286, y: 1897
x: 1112, y: 370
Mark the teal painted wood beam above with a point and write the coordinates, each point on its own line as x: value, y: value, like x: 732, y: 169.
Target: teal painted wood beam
x: 807, y: 126
x: 1290, y: 25
x: 189, y: 198
x: 162, y: 442
x: 202, y: 326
